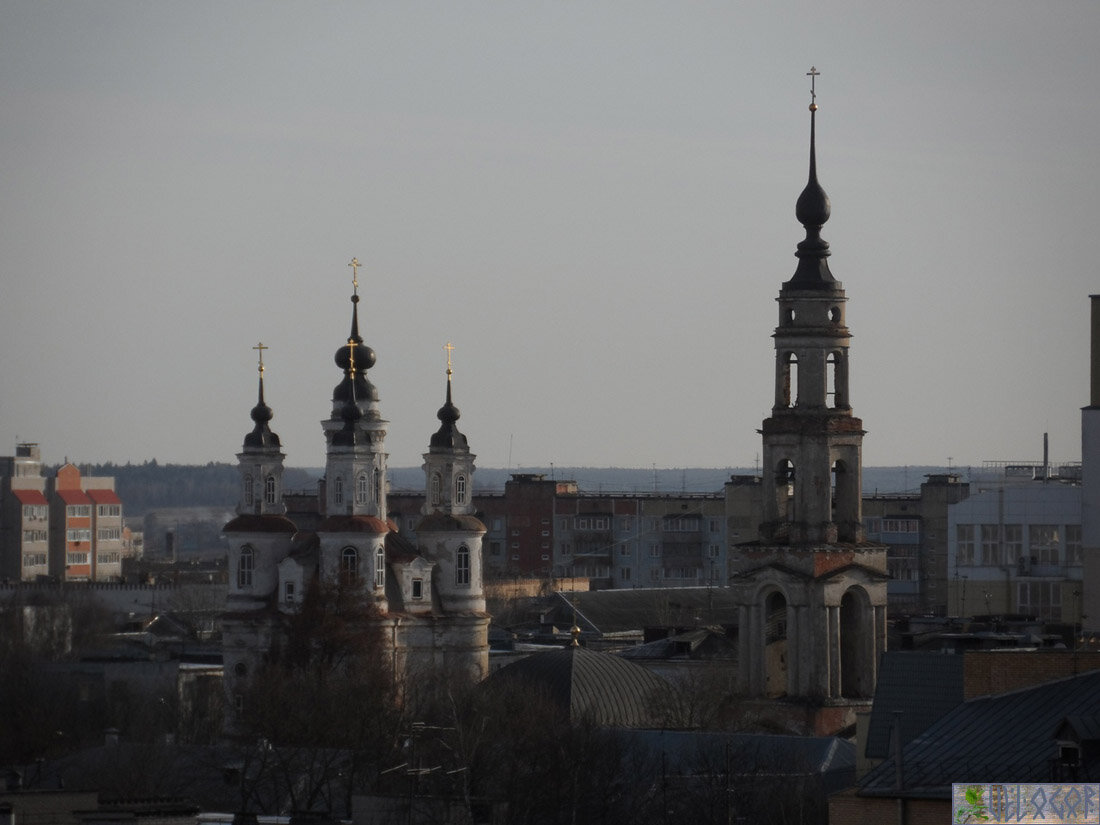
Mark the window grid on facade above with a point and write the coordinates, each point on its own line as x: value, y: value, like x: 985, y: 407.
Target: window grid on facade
x: 362, y: 488
x: 964, y: 547
x: 380, y: 568
x: 1043, y: 541
x: 338, y: 490
x: 269, y: 490
x: 992, y: 553
x: 460, y: 489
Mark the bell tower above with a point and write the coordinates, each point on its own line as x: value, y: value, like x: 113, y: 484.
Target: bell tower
x: 812, y: 592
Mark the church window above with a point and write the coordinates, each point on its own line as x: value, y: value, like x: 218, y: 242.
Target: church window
x: 248, y: 491
x: 436, y: 487
x: 362, y: 489
x: 462, y: 566
x: 269, y: 490
x: 288, y: 592
x: 240, y: 670
x: 418, y: 588
x: 377, y: 484
x: 338, y: 490
x: 245, y: 565
x: 380, y: 567
x: 834, y: 314
x: 460, y: 489
x: 349, y: 565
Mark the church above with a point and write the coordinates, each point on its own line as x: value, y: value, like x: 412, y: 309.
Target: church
x: 427, y: 599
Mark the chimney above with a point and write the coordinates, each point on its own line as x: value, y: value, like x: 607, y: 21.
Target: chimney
x: 1094, y: 364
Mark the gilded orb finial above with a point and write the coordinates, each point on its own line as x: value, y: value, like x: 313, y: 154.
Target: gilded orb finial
x: 813, y: 74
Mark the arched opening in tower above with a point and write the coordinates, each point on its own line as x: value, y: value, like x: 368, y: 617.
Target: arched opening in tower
x: 789, y: 382
x: 775, y: 644
x: 784, y: 497
x: 843, y: 504
x: 856, y: 627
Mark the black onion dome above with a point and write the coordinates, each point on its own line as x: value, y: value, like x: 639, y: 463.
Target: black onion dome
x: 448, y: 435
x: 261, y: 435
x: 812, y: 210
x: 363, y: 357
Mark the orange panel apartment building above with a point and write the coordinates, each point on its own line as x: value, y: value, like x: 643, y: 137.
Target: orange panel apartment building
x: 67, y: 527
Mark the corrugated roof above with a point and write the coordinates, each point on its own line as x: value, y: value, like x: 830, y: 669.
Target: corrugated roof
x: 921, y: 686
x: 600, y: 687
x: 1004, y: 738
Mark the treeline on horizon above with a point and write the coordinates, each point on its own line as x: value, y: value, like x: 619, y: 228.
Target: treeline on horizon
x: 152, y: 485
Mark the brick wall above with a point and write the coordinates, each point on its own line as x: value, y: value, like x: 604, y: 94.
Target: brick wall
x: 845, y: 808
x: 987, y: 672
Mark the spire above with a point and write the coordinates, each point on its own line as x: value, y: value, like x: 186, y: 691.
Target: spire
x: 812, y: 211
x: 448, y: 435
x: 261, y: 435
x: 354, y: 358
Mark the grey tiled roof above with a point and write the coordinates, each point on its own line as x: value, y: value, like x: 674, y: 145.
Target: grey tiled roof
x: 922, y: 686
x: 1004, y: 738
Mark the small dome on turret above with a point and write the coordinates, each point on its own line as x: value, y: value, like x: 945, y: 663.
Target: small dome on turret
x: 261, y: 435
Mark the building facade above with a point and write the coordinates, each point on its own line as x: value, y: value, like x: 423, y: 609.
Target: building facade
x: 1016, y: 547
x: 67, y: 527
x: 425, y: 599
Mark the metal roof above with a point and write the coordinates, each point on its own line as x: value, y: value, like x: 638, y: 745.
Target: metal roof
x: 1005, y: 738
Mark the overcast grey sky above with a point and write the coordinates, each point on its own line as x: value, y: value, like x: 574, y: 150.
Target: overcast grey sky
x: 593, y: 200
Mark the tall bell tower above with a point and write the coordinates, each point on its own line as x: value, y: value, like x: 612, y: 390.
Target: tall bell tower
x: 812, y: 591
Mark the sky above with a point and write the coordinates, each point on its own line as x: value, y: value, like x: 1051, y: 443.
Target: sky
x: 594, y: 202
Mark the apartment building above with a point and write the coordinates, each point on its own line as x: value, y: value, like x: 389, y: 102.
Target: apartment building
x: 67, y: 526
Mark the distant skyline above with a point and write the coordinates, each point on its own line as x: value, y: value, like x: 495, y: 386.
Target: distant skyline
x: 594, y: 202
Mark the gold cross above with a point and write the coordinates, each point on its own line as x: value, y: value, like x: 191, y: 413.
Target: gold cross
x: 260, y: 346
x: 355, y: 274
x: 450, y: 348
x: 812, y: 74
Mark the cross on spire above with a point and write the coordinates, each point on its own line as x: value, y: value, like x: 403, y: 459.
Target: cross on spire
x: 355, y: 274
x: 260, y: 347
x: 813, y: 74
x: 449, y: 347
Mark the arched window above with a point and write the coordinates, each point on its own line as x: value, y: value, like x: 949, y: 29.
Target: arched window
x: 249, y: 493
x: 269, y: 489
x: 245, y: 566
x: 338, y: 490
x: 460, y: 489
x: 462, y: 566
x: 362, y: 489
x: 349, y: 565
x: 378, y: 481
x: 380, y: 567
x: 436, y: 489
